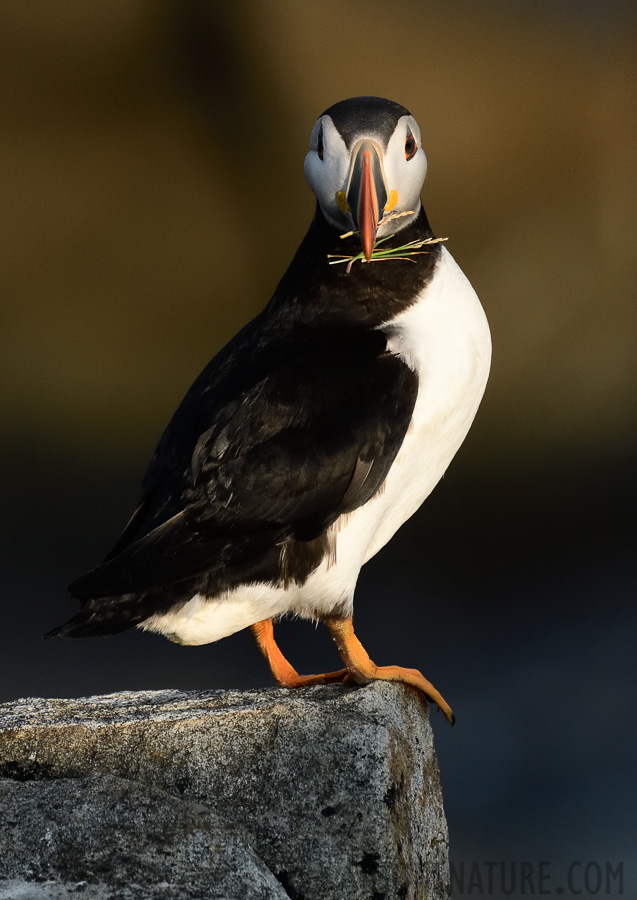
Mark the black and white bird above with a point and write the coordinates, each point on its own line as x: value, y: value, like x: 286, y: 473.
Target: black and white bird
x: 318, y: 430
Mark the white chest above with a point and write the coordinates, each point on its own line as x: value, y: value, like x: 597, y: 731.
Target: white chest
x: 445, y: 339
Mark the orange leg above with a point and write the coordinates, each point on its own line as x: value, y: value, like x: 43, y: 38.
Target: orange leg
x: 284, y: 674
x: 363, y: 670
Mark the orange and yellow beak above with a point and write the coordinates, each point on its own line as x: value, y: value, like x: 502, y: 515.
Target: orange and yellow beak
x: 367, y: 193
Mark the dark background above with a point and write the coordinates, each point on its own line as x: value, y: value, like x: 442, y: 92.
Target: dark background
x: 151, y: 171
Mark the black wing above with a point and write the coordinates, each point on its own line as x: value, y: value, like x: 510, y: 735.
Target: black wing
x: 276, y: 439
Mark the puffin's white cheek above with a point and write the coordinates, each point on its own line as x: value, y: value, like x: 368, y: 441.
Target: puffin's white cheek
x: 410, y: 181
x: 420, y: 161
x: 311, y: 169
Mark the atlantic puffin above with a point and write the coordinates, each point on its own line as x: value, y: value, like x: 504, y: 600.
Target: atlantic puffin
x: 318, y: 430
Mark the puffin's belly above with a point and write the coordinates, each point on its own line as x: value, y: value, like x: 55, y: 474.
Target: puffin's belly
x: 328, y: 590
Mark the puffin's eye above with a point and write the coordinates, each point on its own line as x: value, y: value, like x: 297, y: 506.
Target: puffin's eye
x: 410, y: 146
x: 319, y: 145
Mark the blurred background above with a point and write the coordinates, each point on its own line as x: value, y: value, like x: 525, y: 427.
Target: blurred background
x: 151, y: 161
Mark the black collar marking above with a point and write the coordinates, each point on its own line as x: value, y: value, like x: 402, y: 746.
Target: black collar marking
x: 371, y: 294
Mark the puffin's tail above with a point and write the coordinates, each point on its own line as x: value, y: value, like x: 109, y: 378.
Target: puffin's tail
x: 87, y: 624
x: 103, y: 616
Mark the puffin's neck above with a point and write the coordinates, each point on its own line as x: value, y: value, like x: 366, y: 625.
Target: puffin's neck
x: 370, y: 293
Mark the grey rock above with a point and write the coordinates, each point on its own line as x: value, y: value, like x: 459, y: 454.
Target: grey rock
x: 107, y: 837
x: 125, y: 839
x: 335, y: 788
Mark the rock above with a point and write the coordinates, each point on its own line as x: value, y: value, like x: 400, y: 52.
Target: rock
x: 328, y: 792
x: 126, y: 839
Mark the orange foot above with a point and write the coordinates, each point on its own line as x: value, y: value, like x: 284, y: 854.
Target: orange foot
x: 282, y: 671
x: 362, y: 670
x: 359, y: 667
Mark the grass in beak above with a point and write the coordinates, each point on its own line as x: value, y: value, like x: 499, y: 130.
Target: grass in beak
x: 405, y: 251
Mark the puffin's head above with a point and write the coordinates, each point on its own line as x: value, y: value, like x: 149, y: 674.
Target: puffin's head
x: 365, y: 163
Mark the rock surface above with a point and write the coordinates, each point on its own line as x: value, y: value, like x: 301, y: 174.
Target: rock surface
x: 127, y: 840
x: 329, y: 792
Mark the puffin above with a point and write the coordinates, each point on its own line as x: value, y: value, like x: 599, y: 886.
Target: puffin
x: 318, y: 430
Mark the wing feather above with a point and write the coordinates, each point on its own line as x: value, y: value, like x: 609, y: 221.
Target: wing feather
x: 273, y: 443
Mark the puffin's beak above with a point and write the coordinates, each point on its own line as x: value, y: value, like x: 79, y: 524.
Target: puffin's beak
x: 367, y: 193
